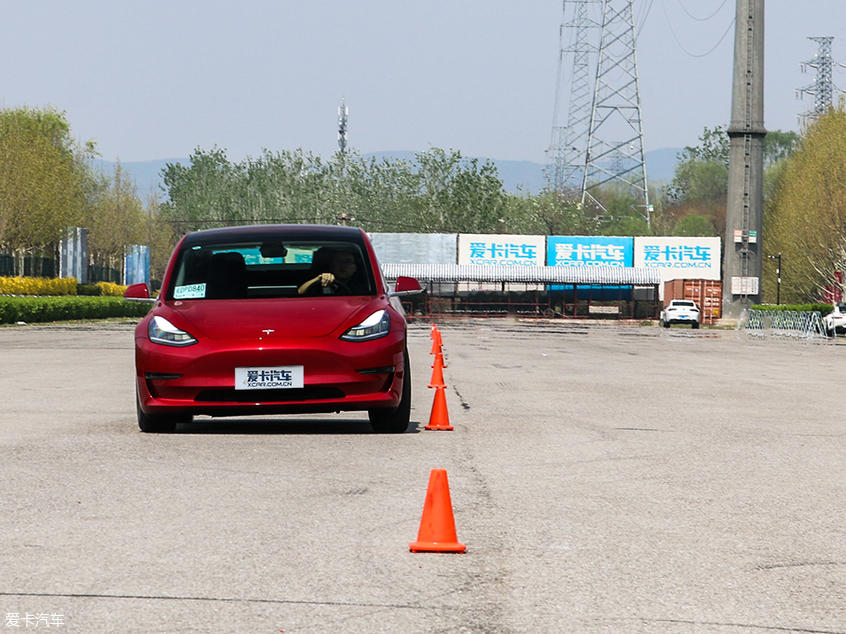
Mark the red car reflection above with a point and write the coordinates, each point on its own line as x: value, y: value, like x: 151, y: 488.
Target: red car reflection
x: 273, y: 319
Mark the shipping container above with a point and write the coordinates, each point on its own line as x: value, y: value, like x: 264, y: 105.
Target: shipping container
x: 708, y: 295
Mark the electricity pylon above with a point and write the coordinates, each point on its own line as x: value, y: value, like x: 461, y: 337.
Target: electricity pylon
x: 565, y: 163
x: 615, y: 132
x: 822, y: 89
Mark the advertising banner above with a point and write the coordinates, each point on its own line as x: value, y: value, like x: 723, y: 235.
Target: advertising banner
x: 501, y: 250
x: 680, y: 258
x: 73, y: 258
x: 589, y: 251
x: 416, y: 248
x: 583, y: 251
x: 136, y: 265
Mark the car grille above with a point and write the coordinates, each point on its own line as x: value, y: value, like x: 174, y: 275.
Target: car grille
x: 270, y: 396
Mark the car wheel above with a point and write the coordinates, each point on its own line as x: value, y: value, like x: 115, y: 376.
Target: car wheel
x: 666, y: 324
x: 695, y: 325
x: 395, y: 421
x: 159, y: 423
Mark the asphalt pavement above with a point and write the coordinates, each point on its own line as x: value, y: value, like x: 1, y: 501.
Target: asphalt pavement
x: 604, y: 478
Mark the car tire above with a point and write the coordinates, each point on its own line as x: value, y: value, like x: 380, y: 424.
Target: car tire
x: 666, y: 324
x: 159, y: 423
x: 395, y: 421
x: 695, y: 325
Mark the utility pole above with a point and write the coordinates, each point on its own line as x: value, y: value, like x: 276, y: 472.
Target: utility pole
x: 778, y: 277
x: 742, y: 264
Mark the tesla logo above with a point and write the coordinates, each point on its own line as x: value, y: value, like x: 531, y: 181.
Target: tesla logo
x: 268, y: 331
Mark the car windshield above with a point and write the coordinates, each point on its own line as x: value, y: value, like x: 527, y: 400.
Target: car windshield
x: 262, y: 269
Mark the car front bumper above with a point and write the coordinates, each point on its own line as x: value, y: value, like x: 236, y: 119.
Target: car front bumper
x: 337, y: 376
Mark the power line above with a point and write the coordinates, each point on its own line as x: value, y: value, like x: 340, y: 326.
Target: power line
x: 645, y: 15
x: 681, y: 46
x: 693, y: 17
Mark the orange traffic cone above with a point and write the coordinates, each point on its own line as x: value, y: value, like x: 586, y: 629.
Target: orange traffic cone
x: 440, y: 355
x: 437, y: 526
x: 437, y: 379
x: 439, y: 418
x: 436, y: 346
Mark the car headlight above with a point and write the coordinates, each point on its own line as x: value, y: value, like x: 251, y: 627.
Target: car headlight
x: 163, y: 332
x: 376, y: 326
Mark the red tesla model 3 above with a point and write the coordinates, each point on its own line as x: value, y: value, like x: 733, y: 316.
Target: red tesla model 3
x: 273, y: 319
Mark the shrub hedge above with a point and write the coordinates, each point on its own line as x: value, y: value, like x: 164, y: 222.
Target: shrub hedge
x: 40, y: 286
x: 43, y: 309
x: 53, y: 287
x: 89, y: 290
x: 825, y: 309
x: 111, y: 289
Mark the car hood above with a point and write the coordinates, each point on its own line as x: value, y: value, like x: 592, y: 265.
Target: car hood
x: 252, y: 319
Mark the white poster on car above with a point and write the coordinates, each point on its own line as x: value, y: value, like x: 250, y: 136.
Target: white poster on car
x: 679, y: 258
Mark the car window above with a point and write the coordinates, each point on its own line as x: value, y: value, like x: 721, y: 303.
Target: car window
x: 262, y: 269
x: 680, y: 302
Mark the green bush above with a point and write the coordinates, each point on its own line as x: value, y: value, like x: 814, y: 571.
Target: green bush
x: 44, y: 309
x: 825, y: 309
x: 89, y: 290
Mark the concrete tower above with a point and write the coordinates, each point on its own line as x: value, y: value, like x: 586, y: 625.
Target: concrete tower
x: 744, y: 213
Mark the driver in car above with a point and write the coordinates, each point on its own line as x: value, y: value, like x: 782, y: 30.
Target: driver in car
x: 341, y: 267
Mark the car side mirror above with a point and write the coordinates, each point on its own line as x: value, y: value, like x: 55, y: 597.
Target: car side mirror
x: 138, y: 293
x: 406, y: 286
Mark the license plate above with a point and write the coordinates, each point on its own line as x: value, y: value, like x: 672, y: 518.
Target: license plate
x: 272, y: 378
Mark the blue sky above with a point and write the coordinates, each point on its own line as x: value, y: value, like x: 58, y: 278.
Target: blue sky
x: 154, y: 79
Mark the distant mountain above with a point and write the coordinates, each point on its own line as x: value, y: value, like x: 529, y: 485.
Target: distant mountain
x: 528, y: 177
x: 661, y: 164
x: 147, y: 174
x: 516, y: 176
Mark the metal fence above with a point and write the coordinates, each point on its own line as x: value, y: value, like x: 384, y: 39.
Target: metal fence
x: 782, y: 323
x: 597, y: 292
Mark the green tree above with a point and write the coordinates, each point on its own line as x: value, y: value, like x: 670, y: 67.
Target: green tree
x: 440, y: 191
x: 699, y: 188
x: 553, y: 213
x: 457, y: 194
x: 700, y: 184
x: 202, y: 195
x: 45, y: 182
x: 779, y: 145
x: 115, y: 220
x: 159, y: 235
x: 806, y: 220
